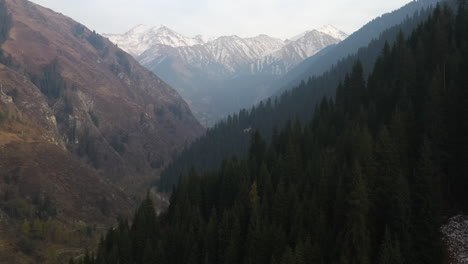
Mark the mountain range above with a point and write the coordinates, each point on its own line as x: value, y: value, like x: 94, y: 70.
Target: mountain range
x: 218, y: 76
x: 232, y: 52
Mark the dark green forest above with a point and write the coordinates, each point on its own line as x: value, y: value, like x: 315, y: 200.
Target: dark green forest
x: 368, y: 180
x: 232, y: 136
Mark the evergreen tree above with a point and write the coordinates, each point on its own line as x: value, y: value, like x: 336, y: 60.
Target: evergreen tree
x: 355, y: 246
x: 389, y: 250
x: 426, y: 239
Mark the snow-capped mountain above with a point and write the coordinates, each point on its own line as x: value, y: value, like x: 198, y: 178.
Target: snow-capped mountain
x: 222, y: 57
x: 327, y: 29
x: 294, y: 52
x: 233, y: 55
x: 220, y: 75
x: 236, y: 52
x: 226, y: 55
x: 142, y: 37
x: 333, y: 31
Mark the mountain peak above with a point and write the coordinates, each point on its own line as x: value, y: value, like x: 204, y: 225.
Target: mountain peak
x: 143, y: 37
x: 204, y: 39
x: 266, y: 37
x: 139, y: 29
x: 333, y: 31
x: 326, y: 29
x: 164, y: 27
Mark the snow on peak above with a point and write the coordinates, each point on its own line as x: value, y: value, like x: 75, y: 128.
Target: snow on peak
x: 225, y: 55
x: 333, y: 31
x: 296, y: 50
x: 142, y: 37
x: 204, y: 39
x: 233, y: 52
x: 326, y: 29
x: 296, y: 37
x: 140, y: 29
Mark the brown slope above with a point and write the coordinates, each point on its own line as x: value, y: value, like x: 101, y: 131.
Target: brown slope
x: 107, y: 126
x: 141, y: 120
x: 35, y: 164
x: 35, y: 160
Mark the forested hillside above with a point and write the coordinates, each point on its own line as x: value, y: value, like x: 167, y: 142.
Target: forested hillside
x: 232, y: 136
x: 368, y: 180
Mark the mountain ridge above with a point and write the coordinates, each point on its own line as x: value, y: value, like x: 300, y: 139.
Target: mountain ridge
x: 224, y: 74
x: 141, y: 38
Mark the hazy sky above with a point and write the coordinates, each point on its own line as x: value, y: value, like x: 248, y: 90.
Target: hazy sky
x: 278, y: 18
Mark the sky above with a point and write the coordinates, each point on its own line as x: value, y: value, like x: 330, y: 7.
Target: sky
x: 245, y: 18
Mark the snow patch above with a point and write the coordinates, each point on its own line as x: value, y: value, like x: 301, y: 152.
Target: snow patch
x: 456, y: 236
x: 333, y: 31
x: 326, y: 29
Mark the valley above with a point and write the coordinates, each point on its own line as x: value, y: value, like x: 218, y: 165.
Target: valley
x: 222, y: 75
x: 154, y: 146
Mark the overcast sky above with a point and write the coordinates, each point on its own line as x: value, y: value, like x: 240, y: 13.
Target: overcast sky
x: 278, y: 18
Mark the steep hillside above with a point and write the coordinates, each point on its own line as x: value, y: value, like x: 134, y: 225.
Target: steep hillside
x: 42, y: 183
x: 108, y: 108
x: 83, y: 129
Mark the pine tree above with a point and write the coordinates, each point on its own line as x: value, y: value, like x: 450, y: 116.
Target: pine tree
x: 426, y: 239
x: 389, y: 250
x: 355, y: 248
x: 143, y: 228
